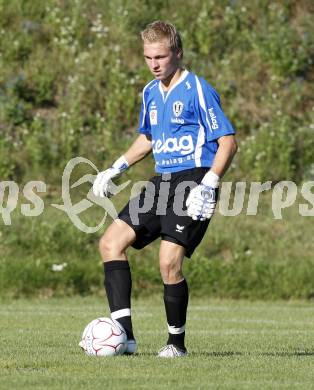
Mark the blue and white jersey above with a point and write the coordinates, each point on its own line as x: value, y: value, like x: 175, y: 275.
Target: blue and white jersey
x: 184, y: 123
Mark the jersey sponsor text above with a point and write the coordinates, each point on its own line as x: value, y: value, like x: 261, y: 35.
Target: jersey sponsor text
x: 177, y: 120
x: 213, y: 118
x: 184, y: 145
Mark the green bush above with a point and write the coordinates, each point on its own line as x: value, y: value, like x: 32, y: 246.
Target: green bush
x: 74, y: 72
x: 70, y: 85
x: 254, y: 257
x: 270, y: 149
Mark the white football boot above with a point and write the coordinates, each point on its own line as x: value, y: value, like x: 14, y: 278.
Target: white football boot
x: 131, y: 347
x: 171, y: 351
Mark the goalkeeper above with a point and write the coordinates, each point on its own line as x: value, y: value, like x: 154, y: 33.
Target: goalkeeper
x: 182, y: 123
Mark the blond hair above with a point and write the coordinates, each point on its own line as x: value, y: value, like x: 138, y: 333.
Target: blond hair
x: 158, y: 31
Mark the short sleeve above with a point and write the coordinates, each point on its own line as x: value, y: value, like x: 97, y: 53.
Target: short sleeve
x: 144, y: 123
x: 212, y: 117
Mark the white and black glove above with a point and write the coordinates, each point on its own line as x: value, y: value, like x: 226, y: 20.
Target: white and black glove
x: 201, y: 201
x: 103, y: 185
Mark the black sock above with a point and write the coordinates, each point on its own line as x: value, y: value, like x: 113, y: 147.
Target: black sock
x: 176, y: 298
x: 118, y: 285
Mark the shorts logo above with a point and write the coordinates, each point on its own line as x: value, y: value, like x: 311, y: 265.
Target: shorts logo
x: 153, y: 117
x: 177, y: 108
x: 184, y: 145
x: 179, y: 228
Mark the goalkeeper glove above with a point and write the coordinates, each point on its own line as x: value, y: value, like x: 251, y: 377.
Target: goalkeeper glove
x: 201, y: 201
x: 103, y: 185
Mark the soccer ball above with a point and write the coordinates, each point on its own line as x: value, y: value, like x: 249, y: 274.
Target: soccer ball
x: 103, y: 337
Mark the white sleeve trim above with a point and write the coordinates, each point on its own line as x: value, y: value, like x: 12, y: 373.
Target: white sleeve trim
x: 199, y: 143
x: 144, y: 104
x: 202, y: 101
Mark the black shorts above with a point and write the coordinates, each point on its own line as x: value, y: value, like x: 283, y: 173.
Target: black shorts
x: 160, y: 211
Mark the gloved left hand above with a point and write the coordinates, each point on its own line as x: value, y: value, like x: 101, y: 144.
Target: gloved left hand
x: 201, y: 201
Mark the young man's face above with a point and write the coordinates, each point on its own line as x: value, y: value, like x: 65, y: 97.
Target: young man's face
x: 161, y: 60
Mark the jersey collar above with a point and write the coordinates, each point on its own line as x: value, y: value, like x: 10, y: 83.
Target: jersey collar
x: 182, y: 77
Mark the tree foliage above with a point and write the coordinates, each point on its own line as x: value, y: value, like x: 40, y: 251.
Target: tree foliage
x: 72, y: 74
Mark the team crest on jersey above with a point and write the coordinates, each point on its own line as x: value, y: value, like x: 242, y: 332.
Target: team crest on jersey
x: 153, y: 117
x: 177, y: 108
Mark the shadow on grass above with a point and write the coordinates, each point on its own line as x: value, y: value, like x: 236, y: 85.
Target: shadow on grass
x: 218, y: 354
x: 198, y: 354
x: 223, y: 354
x: 270, y: 354
x: 289, y: 354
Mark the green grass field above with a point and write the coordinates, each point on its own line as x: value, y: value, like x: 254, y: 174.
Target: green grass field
x: 232, y: 345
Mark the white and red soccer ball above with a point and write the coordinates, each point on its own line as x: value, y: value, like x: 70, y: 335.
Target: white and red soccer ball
x: 103, y: 337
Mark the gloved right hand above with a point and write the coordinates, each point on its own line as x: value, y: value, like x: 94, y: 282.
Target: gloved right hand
x: 103, y: 185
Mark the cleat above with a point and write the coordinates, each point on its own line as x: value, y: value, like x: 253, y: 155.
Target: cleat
x: 131, y: 347
x: 172, y: 351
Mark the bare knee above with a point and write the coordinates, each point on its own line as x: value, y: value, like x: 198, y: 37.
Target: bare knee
x: 109, y: 249
x: 115, y: 241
